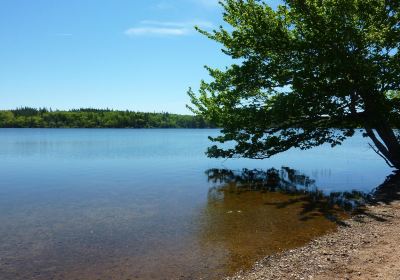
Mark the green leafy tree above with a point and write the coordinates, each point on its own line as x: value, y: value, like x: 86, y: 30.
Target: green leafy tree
x: 7, y: 119
x: 307, y: 73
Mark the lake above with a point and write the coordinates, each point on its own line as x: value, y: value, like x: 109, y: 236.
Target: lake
x: 140, y: 204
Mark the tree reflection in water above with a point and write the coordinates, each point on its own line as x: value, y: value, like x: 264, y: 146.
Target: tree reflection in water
x: 288, y: 181
x: 253, y: 213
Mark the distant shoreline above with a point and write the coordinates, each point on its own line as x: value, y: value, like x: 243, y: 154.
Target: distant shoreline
x: 113, y: 128
x: 97, y: 118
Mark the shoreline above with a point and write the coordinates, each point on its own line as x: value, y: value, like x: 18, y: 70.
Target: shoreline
x: 366, y: 246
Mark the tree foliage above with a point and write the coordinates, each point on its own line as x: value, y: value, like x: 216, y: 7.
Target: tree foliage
x: 95, y: 118
x: 305, y: 74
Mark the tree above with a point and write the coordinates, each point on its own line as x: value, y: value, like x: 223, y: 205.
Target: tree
x: 307, y: 73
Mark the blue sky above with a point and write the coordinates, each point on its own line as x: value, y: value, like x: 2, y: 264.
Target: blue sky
x: 123, y: 54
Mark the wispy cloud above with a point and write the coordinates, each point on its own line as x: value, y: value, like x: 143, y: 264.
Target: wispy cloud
x: 165, y: 28
x: 139, y: 31
x: 179, y: 24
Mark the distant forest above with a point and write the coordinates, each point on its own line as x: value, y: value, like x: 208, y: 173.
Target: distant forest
x: 95, y: 118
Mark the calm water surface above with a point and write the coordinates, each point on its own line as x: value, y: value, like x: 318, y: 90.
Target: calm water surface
x: 137, y: 204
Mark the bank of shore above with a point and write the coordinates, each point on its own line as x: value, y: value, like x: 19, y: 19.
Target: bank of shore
x: 367, y: 246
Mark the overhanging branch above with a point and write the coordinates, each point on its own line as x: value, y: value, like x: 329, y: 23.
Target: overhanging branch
x: 385, y: 159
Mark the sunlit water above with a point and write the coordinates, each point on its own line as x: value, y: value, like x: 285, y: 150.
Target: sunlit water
x: 137, y: 204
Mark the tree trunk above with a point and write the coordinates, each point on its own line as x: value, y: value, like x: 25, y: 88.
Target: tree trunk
x: 388, y: 146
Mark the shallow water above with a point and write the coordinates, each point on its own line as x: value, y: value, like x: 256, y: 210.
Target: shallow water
x: 137, y: 204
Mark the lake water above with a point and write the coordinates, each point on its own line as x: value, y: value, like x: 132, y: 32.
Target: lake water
x: 138, y: 204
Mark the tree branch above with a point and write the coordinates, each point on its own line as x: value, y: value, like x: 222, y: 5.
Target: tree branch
x: 377, y: 151
x: 383, y: 151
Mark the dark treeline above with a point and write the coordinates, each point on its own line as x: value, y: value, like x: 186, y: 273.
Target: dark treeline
x: 95, y: 118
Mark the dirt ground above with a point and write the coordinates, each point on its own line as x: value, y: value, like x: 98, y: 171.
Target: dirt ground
x: 367, y: 246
